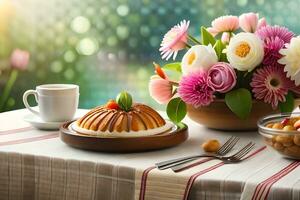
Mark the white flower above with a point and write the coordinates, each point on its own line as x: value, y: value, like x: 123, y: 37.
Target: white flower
x: 198, y: 57
x: 245, y: 51
x: 291, y: 59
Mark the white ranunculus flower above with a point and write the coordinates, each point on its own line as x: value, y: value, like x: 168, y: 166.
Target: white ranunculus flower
x: 198, y: 57
x: 245, y: 51
x: 291, y: 59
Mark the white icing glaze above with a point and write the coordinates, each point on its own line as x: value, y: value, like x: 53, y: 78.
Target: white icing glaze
x: 124, y: 134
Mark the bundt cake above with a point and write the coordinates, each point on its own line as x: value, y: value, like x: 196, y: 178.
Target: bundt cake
x: 111, y: 120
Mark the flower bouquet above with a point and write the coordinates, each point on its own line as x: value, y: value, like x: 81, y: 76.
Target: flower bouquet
x: 239, y: 62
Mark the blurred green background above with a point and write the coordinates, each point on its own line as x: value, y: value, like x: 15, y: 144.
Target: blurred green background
x: 106, y: 46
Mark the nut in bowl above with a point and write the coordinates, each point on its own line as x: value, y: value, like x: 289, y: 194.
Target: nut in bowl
x: 282, y: 133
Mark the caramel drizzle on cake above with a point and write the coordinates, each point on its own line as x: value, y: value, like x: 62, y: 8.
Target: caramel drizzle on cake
x: 140, y: 117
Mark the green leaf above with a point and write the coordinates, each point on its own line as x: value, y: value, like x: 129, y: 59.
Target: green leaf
x: 176, y: 66
x: 239, y: 102
x: 176, y: 110
x: 124, y: 100
x: 206, y: 37
x: 288, y: 105
x: 223, y: 58
x: 219, y: 47
x: 181, y: 125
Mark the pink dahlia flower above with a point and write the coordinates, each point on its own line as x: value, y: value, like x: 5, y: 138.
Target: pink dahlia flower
x: 19, y: 59
x: 274, y: 38
x: 221, y: 77
x: 273, y: 31
x: 195, y: 90
x: 160, y: 90
x: 271, y: 49
x: 271, y: 85
x: 226, y: 23
x: 174, y: 40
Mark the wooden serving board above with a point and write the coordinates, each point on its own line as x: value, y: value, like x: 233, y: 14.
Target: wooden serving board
x: 123, y: 145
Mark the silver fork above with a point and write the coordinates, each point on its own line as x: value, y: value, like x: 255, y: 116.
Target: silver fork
x: 235, y: 158
x: 224, y: 149
x: 239, y: 156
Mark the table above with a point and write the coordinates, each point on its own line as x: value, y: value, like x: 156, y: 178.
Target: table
x: 36, y: 164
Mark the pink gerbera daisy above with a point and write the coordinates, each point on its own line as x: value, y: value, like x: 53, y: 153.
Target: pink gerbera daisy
x: 174, y: 40
x: 195, y: 90
x: 274, y: 38
x: 270, y: 84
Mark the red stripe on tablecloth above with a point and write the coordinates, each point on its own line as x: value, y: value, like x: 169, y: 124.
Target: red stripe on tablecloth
x: 271, y: 184
x: 191, y: 179
x: 31, y: 139
x: 260, y: 185
x: 195, y: 176
x: 17, y: 130
x: 144, y: 181
x: 274, y: 177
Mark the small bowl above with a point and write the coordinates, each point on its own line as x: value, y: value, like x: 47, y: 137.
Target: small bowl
x: 287, y: 143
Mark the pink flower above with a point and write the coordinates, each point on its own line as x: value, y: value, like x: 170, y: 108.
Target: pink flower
x: 195, y: 90
x: 273, y: 31
x: 271, y: 85
x: 225, y: 37
x: 261, y: 23
x: 271, y: 49
x: 212, y: 31
x: 19, y: 59
x: 274, y: 38
x: 221, y: 77
x: 174, y: 40
x: 248, y: 22
x: 161, y: 90
x: 226, y: 23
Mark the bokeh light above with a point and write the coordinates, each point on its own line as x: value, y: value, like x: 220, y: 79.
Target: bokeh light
x: 87, y: 46
x: 80, y: 24
x: 107, y: 46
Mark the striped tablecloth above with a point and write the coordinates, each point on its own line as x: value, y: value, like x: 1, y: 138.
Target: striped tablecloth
x: 35, y: 164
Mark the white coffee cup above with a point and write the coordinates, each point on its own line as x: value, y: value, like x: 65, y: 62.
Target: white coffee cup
x: 56, y: 102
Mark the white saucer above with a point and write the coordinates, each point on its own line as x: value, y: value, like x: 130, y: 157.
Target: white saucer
x: 37, y: 122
